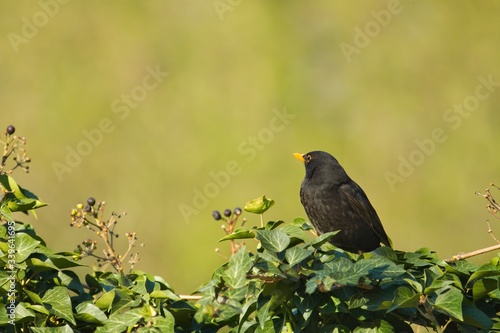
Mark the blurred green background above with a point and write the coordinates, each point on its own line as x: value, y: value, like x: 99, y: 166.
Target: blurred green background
x: 363, y: 82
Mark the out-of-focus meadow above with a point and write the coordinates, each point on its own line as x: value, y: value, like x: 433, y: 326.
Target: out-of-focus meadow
x: 143, y: 103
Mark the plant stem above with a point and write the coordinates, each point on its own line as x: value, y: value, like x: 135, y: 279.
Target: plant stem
x: 461, y: 256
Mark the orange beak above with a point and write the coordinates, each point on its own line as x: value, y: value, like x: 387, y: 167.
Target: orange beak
x: 299, y: 156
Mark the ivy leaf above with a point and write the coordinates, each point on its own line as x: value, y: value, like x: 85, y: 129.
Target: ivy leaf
x: 25, y: 245
x: 450, y: 301
x: 164, y: 324
x: 239, y: 265
x: 259, y: 205
x: 273, y: 240
x: 18, y: 198
x: 482, y: 272
x: 164, y: 294
x: 35, y: 298
x: 273, y: 225
x: 60, y: 303
x: 404, y: 297
x: 106, y: 300
x: 475, y: 317
x: 24, y: 204
x: 484, y: 287
x: 90, y: 313
x: 62, y: 329
x: 120, y: 322
x: 294, y: 231
x: 240, y: 233
x: 324, y: 238
x: 296, y: 254
x: 5, y: 212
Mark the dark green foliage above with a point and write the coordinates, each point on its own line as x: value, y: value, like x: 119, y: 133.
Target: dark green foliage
x: 311, y: 286
x: 48, y: 293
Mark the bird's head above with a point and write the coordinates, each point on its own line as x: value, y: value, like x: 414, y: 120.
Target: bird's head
x: 320, y: 162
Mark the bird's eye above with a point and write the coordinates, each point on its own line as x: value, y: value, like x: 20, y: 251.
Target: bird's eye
x: 308, y: 158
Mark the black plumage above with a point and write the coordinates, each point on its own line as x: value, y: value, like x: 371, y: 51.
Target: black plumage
x: 333, y: 201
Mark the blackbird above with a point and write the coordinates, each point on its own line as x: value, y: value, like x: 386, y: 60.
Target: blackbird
x: 333, y: 201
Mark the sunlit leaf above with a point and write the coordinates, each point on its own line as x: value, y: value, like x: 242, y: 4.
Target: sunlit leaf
x: 296, y: 254
x: 60, y: 303
x: 25, y: 245
x: 241, y: 233
x: 259, y: 205
x: 273, y: 240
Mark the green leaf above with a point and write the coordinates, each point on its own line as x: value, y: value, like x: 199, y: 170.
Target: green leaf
x: 35, y: 298
x: 39, y: 265
x: 5, y: 212
x: 239, y: 265
x: 270, y: 225
x: 90, y: 314
x: 259, y: 205
x: 475, y: 317
x: 404, y: 297
x: 38, y: 308
x: 438, y: 284
x: 323, y: 238
x: 60, y: 303
x: 164, y: 324
x: 263, y: 314
x: 273, y: 240
x: 164, y: 294
x: 296, y: 254
x: 24, y: 204
x: 483, y: 271
x: 294, y: 231
x: 25, y: 245
x: 63, y: 262
x: 450, y: 301
x: 93, y: 284
x: 462, y: 267
x: 374, y: 326
x: 70, y: 280
x: 10, y: 185
x: 380, y: 267
x: 240, y: 233
x: 142, y: 285
x: 302, y: 224
x: 487, y: 286
x: 120, y: 322
x: 106, y: 300
x: 62, y: 329
x: 23, y: 313
x: 18, y: 198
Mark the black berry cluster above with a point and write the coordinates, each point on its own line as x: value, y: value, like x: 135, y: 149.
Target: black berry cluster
x: 227, y: 213
x: 230, y: 217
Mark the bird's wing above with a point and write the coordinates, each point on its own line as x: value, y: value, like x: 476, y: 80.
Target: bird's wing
x: 359, y: 202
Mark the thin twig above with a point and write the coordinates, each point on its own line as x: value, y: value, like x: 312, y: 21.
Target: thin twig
x: 490, y: 231
x: 190, y: 297
x: 461, y: 256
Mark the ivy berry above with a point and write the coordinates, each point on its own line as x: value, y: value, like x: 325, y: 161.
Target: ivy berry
x: 216, y: 215
x: 91, y: 201
x: 10, y: 129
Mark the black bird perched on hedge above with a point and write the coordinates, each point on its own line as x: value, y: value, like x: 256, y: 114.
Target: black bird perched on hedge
x: 333, y: 201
